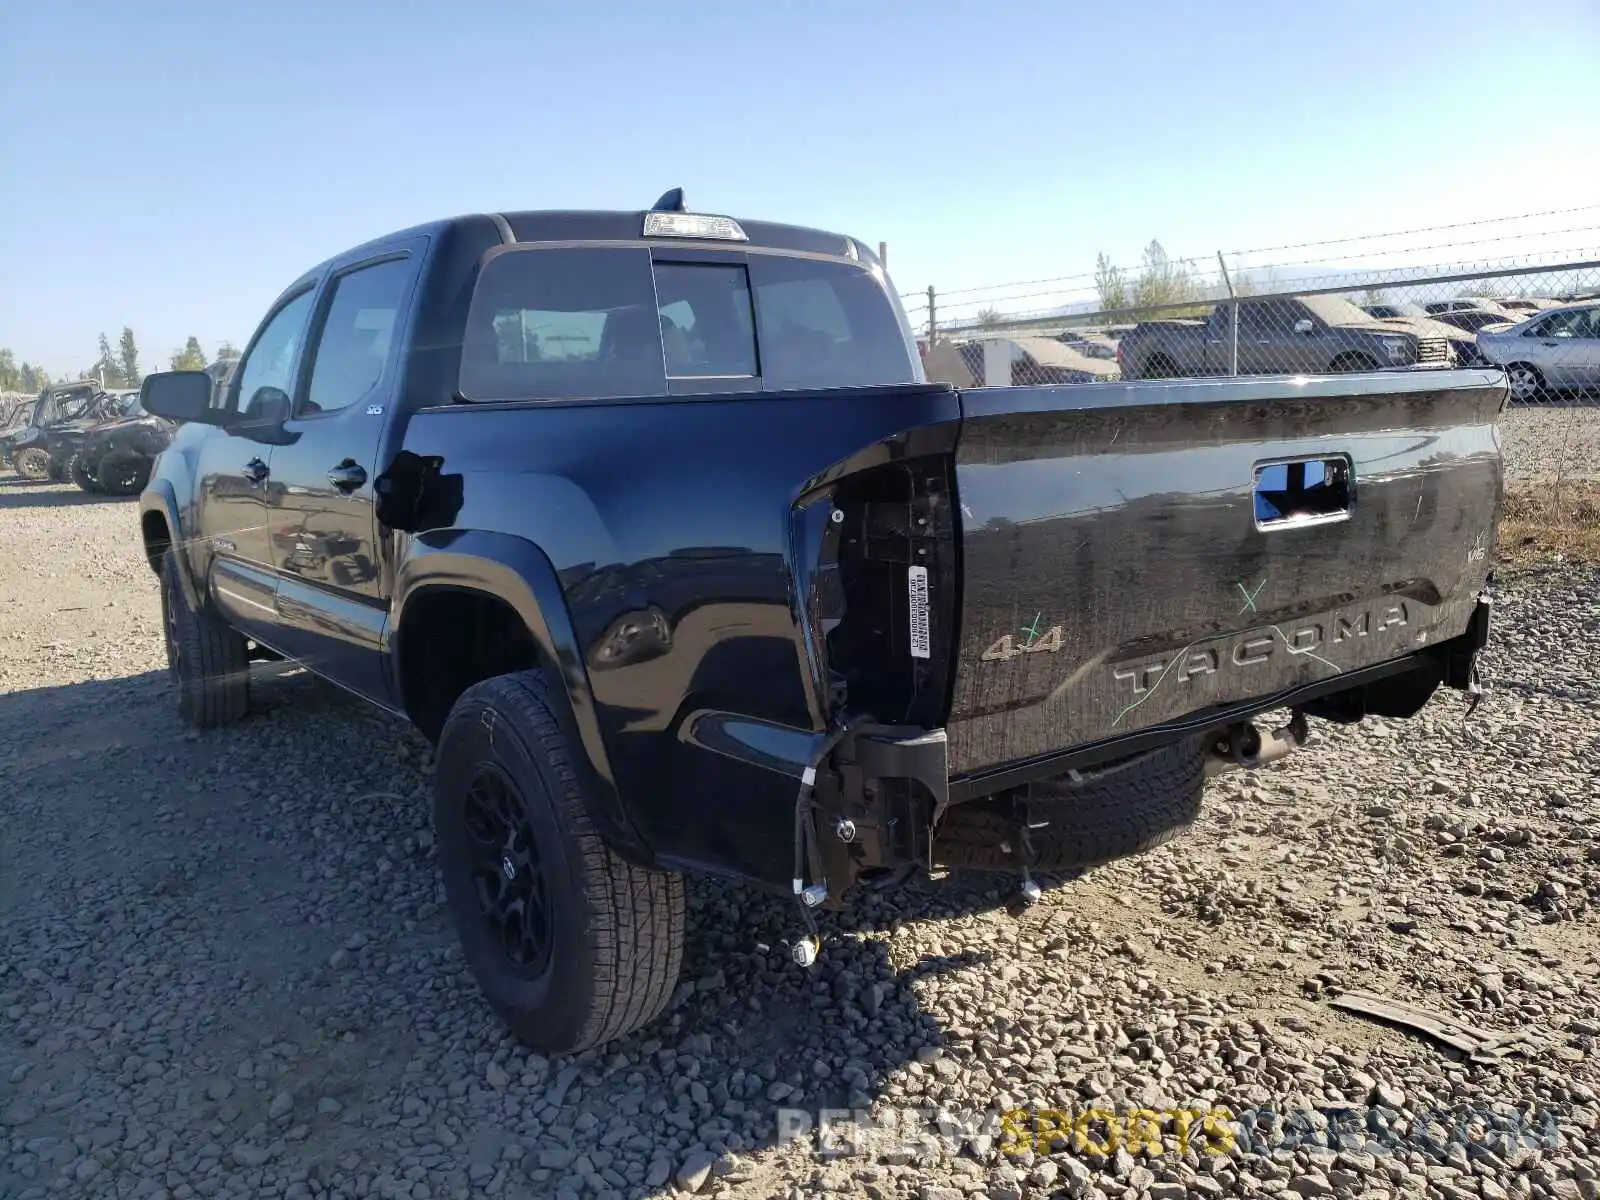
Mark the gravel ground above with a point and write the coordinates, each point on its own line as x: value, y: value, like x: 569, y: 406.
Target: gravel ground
x: 1542, y: 441
x: 224, y: 968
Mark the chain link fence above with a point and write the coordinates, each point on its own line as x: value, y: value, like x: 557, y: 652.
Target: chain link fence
x: 1539, y: 323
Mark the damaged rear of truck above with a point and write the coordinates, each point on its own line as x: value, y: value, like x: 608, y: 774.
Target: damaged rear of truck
x: 652, y: 523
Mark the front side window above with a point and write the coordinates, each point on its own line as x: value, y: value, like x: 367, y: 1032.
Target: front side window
x: 269, y: 363
x: 354, y: 342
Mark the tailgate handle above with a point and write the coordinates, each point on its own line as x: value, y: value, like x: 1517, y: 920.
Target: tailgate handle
x: 1292, y: 493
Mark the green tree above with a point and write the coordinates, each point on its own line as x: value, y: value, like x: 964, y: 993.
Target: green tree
x: 989, y: 317
x: 105, y: 365
x: 228, y: 350
x: 1163, y: 280
x: 191, y: 357
x: 10, y: 375
x: 34, y: 379
x: 128, y: 357
x: 1109, y: 283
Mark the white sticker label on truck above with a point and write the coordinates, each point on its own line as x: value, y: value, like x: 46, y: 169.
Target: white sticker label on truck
x: 917, y: 590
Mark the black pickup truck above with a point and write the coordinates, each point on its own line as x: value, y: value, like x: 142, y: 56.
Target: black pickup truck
x: 649, y: 520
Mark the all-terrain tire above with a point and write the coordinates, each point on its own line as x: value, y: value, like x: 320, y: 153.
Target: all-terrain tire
x: 32, y: 463
x: 207, y: 658
x: 83, y: 475
x: 612, y: 931
x: 124, y: 473
x: 1106, y: 813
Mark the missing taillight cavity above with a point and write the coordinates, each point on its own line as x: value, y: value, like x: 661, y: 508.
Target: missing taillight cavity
x: 896, y: 567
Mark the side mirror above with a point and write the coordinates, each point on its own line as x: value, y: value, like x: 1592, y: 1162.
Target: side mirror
x: 267, y: 406
x: 264, y: 417
x: 179, y: 396
x: 1305, y: 325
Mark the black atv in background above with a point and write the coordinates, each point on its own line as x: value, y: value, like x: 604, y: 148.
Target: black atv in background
x: 116, y: 457
x: 37, y: 451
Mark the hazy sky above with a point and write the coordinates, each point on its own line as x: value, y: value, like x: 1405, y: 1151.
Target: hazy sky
x: 173, y: 165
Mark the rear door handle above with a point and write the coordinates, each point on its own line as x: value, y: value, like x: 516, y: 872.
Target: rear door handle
x: 255, y: 470
x: 347, y: 476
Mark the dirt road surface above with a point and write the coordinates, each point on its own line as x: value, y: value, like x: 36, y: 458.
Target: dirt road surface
x: 225, y: 971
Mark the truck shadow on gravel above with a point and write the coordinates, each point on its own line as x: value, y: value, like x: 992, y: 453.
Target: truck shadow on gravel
x: 266, y: 901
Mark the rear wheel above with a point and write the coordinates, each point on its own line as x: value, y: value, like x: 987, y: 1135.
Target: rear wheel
x: 1160, y: 367
x: 572, y: 945
x: 33, y: 463
x: 1526, y: 382
x: 1103, y: 814
x: 83, y: 474
x: 208, y: 659
x: 123, y: 473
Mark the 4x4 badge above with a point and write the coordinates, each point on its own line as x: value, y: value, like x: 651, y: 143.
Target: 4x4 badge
x: 1008, y: 648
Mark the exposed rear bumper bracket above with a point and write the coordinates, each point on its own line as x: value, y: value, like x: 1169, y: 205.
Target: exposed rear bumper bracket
x: 877, y: 801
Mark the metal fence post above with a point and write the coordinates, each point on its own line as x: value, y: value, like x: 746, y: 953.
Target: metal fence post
x: 1233, y: 339
x: 933, y: 324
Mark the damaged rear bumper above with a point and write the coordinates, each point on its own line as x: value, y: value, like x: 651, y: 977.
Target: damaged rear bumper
x: 870, y: 796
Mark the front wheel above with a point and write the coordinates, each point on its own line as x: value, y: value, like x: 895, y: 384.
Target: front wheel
x: 1526, y: 383
x: 1348, y: 363
x: 572, y: 945
x: 208, y: 660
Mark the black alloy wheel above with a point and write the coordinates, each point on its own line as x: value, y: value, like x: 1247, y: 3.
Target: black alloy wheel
x: 513, y: 893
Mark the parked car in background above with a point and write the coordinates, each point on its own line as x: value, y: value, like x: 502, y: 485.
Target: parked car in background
x: 1468, y: 304
x: 1037, y: 360
x: 1092, y: 343
x: 1463, y: 321
x: 1396, y: 308
x: 1471, y: 320
x: 1524, y: 306
x: 1554, y: 351
x: 1283, y: 335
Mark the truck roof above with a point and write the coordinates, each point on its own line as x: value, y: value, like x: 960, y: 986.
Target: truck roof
x: 597, y: 225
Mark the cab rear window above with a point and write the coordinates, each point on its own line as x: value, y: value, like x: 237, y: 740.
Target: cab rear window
x: 605, y: 322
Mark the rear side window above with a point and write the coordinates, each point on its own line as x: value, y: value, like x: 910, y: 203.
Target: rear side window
x: 559, y: 324
x: 825, y: 325
x: 602, y: 323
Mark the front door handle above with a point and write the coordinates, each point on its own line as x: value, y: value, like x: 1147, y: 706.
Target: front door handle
x: 255, y: 470
x: 347, y: 476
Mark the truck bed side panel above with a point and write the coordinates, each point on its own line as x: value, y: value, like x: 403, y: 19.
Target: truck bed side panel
x: 1115, y: 577
x: 670, y: 525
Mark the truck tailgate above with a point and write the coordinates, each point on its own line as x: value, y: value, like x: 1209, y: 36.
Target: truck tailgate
x: 1136, y: 554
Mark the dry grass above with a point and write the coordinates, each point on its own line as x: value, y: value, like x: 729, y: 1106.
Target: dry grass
x: 1557, y: 520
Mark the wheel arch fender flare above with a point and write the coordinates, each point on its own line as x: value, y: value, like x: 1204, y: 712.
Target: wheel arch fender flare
x: 517, y: 572
x: 160, y: 498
